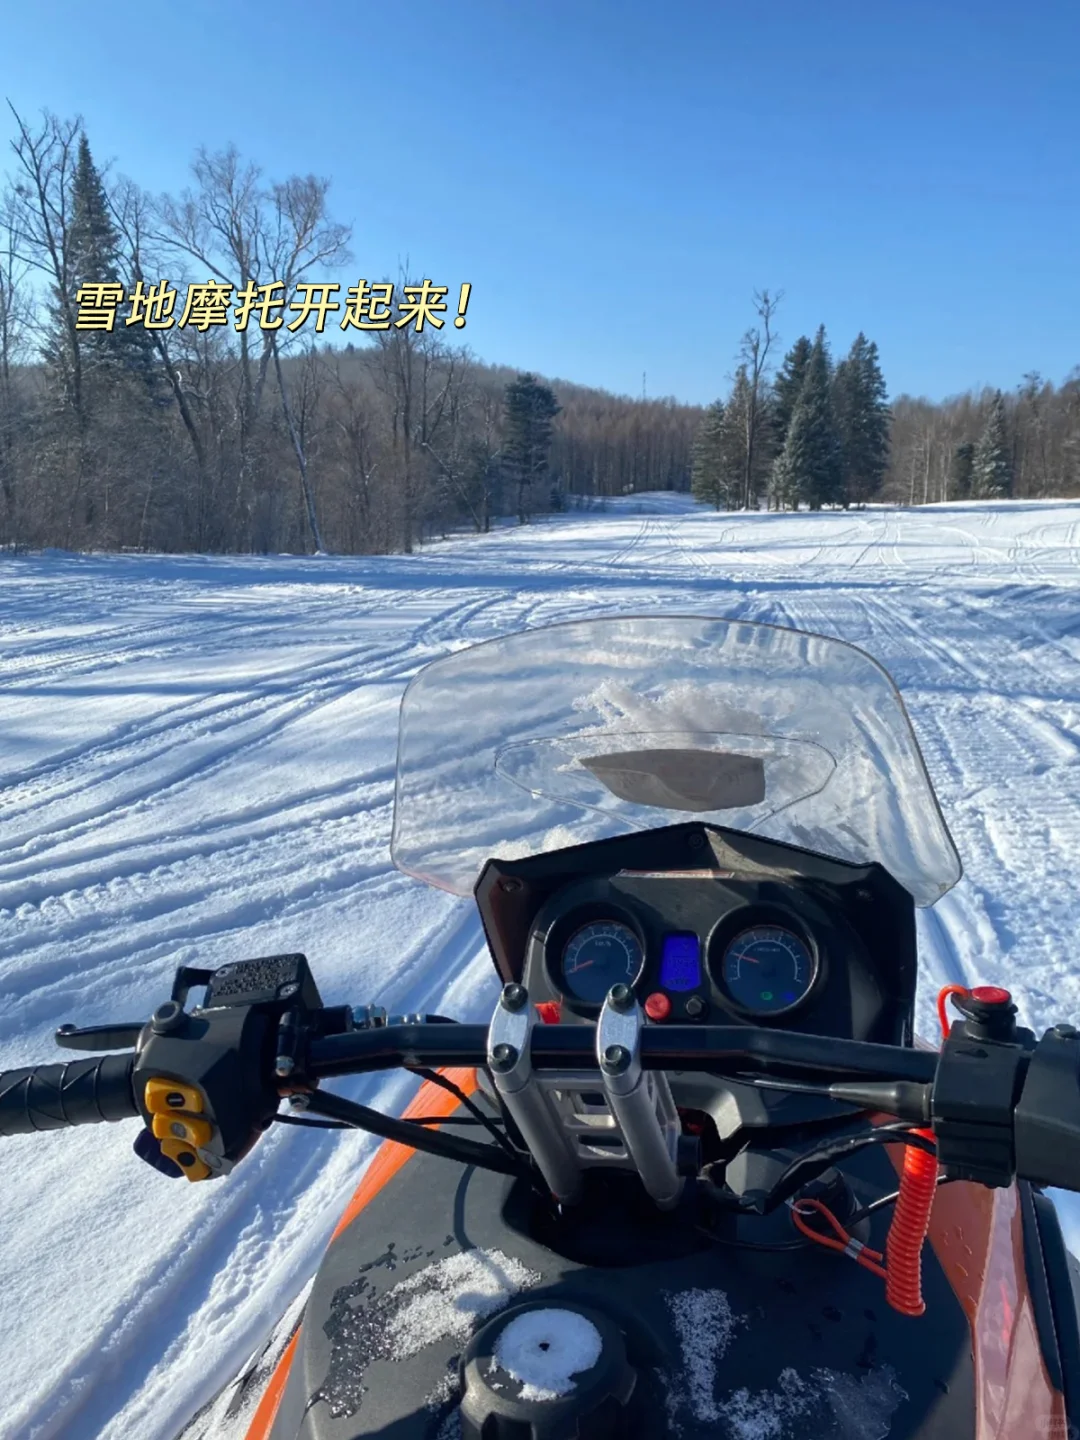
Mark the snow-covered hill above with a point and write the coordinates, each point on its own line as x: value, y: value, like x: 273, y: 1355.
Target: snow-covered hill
x: 196, y: 764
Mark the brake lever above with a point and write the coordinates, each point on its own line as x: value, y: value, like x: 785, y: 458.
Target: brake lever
x: 121, y: 1036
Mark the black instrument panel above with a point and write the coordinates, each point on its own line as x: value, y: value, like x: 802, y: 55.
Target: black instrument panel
x: 708, y: 924
x: 707, y: 949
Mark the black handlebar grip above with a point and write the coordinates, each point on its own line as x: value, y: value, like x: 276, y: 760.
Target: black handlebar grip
x: 81, y: 1092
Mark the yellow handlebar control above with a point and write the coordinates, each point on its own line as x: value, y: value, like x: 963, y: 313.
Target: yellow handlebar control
x: 185, y: 1157
x: 165, y: 1097
x: 192, y: 1131
x: 179, y: 1124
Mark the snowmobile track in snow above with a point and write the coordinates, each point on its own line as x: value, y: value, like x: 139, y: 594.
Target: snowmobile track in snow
x: 196, y: 762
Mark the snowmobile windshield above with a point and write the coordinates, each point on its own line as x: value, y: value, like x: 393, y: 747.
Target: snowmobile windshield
x: 580, y: 731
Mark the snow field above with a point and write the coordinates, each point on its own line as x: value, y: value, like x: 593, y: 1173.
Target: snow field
x: 196, y: 765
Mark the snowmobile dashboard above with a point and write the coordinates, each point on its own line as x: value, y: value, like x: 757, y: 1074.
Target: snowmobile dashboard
x: 708, y: 926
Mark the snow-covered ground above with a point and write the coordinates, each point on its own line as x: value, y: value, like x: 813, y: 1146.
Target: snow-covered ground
x: 196, y: 765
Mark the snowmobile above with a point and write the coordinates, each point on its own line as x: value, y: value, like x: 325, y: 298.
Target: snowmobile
x: 695, y: 1174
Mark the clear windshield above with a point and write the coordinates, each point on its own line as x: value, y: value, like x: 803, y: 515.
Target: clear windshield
x: 580, y: 731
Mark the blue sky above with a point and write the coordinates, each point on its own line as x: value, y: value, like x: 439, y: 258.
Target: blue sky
x: 615, y: 179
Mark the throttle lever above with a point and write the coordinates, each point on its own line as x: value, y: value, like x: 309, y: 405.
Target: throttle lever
x: 121, y: 1036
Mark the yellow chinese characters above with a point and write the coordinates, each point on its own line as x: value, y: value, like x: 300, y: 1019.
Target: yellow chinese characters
x: 98, y: 305
x: 368, y: 305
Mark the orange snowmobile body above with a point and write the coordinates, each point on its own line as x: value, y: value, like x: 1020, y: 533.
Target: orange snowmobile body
x: 994, y: 1358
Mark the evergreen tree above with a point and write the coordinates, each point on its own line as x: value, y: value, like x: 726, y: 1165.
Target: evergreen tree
x: 786, y: 387
x: 992, y: 466
x: 94, y: 258
x: 863, y: 420
x: 747, y: 441
x: 718, y: 472
x: 960, y: 471
x: 809, y: 466
x: 707, y: 458
x: 91, y: 257
x: 781, y: 489
x: 529, y: 412
x: 94, y: 244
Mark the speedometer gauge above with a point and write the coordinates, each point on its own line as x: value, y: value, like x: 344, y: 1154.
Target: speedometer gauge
x: 598, y: 956
x: 767, y: 970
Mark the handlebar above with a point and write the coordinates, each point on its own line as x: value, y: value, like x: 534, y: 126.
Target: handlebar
x: 80, y: 1092
x: 208, y: 1081
x: 88, y: 1092
x: 663, y: 1047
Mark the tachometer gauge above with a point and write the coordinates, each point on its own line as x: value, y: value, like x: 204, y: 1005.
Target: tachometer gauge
x: 598, y: 956
x: 767, y: 970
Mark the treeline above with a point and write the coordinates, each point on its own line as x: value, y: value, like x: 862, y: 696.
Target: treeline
x: 1025, y: 444
x: 224, y: 437
x: 814, y: 433
x: 220, y: 438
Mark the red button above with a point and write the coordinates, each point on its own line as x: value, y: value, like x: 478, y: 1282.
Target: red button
x: 991, y: 995
x: 550, y: 1011
x: 658, y: 1006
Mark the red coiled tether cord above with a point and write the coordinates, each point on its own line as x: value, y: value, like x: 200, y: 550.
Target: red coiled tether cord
x: 910, y: 1222
x: 902, y: 1272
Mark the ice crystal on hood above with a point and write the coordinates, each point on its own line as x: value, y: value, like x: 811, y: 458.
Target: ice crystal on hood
x: 704, y: 1322
x: 445, y: 1300
x: 448, y: 1298
x: 859, y: 1409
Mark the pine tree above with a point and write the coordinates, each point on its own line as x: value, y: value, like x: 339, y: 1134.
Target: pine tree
x: 785, y: 396
x: 992, y: 466
x: 809, y: 466
x: 91, y: 258
x: 863, y: 420
x: 93, y: 240
x: 786, y: 387
x: 707, y: 458
x: 960, y: 471
x: 94, y: 258
x: 747, y: 442
x: 529, y: 412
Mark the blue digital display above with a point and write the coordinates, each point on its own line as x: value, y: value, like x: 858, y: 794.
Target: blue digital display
x: 680, y: 963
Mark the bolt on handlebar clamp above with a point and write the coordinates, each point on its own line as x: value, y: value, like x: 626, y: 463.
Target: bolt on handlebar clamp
x: 640, y: 1100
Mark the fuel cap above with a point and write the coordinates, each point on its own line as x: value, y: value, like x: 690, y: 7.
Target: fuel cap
x: 545, y: 1372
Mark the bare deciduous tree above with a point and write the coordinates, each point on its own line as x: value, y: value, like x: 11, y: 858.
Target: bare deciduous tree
x: 249, y: 235
x: 15, y: 317
x: 754, y: 355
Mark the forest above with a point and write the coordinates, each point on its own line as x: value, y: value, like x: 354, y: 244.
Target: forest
x: 231, y: 437
x: 815, y: 432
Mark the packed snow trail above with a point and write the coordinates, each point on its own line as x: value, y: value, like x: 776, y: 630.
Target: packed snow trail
x: 196, y: 762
